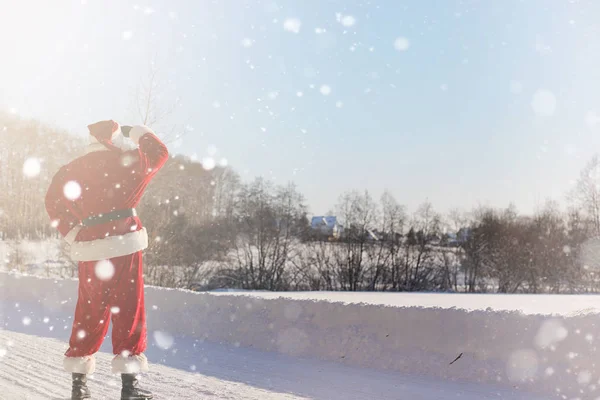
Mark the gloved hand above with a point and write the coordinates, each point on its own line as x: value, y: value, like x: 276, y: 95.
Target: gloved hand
x: 125, y: 129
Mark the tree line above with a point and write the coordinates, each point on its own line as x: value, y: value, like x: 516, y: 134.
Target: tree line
x: 211, y: 230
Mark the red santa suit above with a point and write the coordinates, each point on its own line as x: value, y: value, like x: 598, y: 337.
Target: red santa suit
x: 108, y: 181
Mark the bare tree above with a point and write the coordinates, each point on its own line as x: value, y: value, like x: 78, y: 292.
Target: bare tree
x: 153, y: 109
x: 417, y: 249
x: 269, y: 220
x: 586, y: 194
x: 358, y: 214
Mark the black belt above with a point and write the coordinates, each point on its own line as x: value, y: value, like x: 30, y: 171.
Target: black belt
x: 109, y: 217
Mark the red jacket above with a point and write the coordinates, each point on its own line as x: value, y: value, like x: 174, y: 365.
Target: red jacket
x: 105, y: 179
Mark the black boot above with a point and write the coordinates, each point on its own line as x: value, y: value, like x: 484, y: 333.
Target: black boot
x: 80, y: 390
x: 131, y: 391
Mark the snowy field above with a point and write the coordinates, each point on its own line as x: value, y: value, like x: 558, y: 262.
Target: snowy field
x: 321, y: 346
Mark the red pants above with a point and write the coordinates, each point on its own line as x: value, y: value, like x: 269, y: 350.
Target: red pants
x: 120, y: 298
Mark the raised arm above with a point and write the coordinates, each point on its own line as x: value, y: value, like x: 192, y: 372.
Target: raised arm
x: 153, y: 152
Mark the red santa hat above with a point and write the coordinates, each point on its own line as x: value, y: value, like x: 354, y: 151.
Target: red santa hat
x: 104, y: 132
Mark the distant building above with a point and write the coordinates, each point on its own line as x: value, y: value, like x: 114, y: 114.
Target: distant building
x: 457, y: 239
x: 327, y: 226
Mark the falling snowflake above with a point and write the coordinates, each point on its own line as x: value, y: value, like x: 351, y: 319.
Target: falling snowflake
x: 127, y: 35
x: 550, y: 332
x: 522, y: 365
x: 246, y: 42
x: 325, y: 90
x: 208, y: 163
x: 163, y: 340
x: 127, y: 160
x: 104, y: 270
x: 299, y: 94
x: 31, y: 167
x: 401, y: 44
x: 223, y: 162
x: 26, y: 321
x: 348, y: 20
x: 320, y: 31
x: 339, y: 104
x: 292, y: 25
x: 584, y: 377
x: 72, y: 190
x: 115, y: 310
x: 81, y: 334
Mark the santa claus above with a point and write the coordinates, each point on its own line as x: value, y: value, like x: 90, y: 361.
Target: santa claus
x: 91, y: 201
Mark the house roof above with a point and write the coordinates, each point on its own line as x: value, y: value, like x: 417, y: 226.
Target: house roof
x: 319, y: 221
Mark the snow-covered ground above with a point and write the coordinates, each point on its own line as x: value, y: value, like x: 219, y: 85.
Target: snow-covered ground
x: 249, y: 345
x: 29, y: 371
x: 534, y: 304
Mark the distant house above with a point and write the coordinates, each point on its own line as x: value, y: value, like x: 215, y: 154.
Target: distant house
x: 456, y: 239
x: 327, y: 226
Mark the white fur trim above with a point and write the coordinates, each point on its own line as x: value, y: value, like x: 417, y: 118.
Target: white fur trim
x: 117, y: 139
x: 117, y: 132
x: 110, y: 247
x: 70, y: 237
x: 138, y: 131
x: 80, y: 365
x: 129, y: 365
x: 124, y: 143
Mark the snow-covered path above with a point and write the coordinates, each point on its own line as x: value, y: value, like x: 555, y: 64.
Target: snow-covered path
x: 30, y: 368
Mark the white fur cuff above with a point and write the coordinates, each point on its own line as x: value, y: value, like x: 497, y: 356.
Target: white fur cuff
x: 138, y: 131
x: 70, y: 237
x: 117, y: 132
x: 80, y: 365
x: 129, y: 365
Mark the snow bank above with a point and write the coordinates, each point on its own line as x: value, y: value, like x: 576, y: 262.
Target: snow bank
x: 542, y: 353
x: 540, y: 304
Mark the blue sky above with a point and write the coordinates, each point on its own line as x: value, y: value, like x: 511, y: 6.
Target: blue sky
x: 491, y: 103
